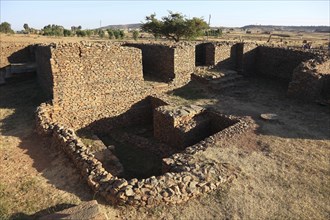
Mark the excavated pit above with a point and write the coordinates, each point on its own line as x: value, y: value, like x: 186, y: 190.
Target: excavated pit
x: 141, y: 148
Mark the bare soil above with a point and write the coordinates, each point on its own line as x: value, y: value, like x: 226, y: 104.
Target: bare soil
x: 284, y: 165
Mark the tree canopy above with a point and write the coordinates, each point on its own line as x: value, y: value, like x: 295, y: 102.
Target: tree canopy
x: 53, y: 30
x: 5, y: 27
x: 175, y: 26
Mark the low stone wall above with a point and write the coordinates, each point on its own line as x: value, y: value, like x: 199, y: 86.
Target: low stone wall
x: 180, y: 126
x: 311, y: 80
x: 183, y: 180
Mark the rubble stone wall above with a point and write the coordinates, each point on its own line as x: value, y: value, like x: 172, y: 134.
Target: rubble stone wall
x: 158, y: 61
x: 249, y: 58
x: 222, y: 55
x: 90, y: 81
x: 44, y: 70
x: 204, y: 54
x: 184, y: 62
x: 279, y: 62
x: 138, y: 114
x: 311, y: 80
x: 167, y: 62
x: 15, y: 53
x: 181, y: 180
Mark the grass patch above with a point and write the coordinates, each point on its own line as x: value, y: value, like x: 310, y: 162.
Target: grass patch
x: 4, y: 202
x: 28, y: 185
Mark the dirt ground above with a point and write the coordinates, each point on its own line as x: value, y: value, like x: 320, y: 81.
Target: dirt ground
x: 284, y: 165
x: 294, y: 39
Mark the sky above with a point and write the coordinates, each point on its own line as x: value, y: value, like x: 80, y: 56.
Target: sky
x: 90, y: 14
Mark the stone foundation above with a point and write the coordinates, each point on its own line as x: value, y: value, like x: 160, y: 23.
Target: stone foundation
x: 181, y: 179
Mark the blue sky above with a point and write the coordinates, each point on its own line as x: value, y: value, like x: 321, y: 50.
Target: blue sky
x: 88, y: 14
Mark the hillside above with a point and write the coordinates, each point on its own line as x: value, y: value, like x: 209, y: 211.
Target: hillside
x: 122, y: 26
x: 290, y: 28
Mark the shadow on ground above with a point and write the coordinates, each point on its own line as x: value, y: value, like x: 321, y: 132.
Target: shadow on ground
x: 18, y: 102
x: 297, y: 119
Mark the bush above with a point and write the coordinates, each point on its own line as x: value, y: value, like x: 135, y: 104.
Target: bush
x: 89, y: 33
x: 81, y: 33
x: 110, y: 33
x: 67, y: 33
x: 135, y: 34
x: 101, y: 33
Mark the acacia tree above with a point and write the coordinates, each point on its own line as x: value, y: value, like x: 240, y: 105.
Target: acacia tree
x: 175, y: 26
x: 5, y: 27
x: 26, y: 28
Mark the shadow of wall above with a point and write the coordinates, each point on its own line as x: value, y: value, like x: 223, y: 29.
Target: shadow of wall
x: 24, y: 55
x: 140, y: 113
x: 44, y: 70
x: 279, y: 62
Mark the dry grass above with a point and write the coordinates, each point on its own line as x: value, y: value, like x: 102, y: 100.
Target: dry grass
x: 34, y: 176
x: 295, y: 39
x: 284, y: 165
x: 285, y: 171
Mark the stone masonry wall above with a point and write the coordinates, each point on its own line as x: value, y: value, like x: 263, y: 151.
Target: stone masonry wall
x: 184, y: 61
x: 311, y: 80
x: 279, y: 62
x: 44, y: 69
x: 167, y: 61
x: 182, y: 179
x: 158, y: 61
x: 91, y: 80
x: 222, y: 55
x: 249, y: 58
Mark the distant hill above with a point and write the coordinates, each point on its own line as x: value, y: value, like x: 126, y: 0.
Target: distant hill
x: 324, y: 29
x: 122, y: 26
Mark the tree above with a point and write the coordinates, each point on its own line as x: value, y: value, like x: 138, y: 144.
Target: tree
x: 26, y: 28
x: 121, y: 34
x: 67, y: 33
x: 153, y: 26
x: 116, y: 34
x: 53, y: 30
x: 89, y: 33
x: 101, y: 33
x: 81, y: 33
x: 175, y: 26
x: 5, y: 27
x: 110, y: 33
x: 135, y: 34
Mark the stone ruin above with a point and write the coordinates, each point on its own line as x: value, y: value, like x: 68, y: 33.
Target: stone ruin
x: 115, y: 92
